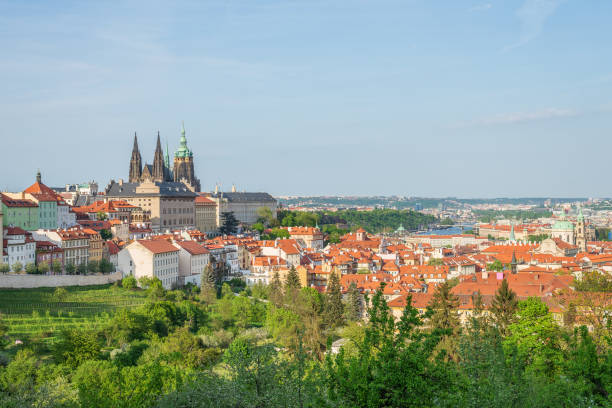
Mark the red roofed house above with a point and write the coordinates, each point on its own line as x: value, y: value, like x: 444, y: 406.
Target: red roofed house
x: 48, y: 252
x: 193, y: 258
x: 152, y: 258
x: 74, y: 242
x: 309, y: 236
x: 18, y: 246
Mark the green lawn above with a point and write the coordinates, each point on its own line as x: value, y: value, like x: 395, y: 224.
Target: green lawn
x: 37, y: 313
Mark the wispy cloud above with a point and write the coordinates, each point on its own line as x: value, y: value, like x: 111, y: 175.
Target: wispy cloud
x: 519, y: 117
x: 481, y: 7
x: 532, y: 15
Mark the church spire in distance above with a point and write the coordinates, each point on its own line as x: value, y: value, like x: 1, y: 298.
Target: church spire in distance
x: 135, y: 163
x: 158, y: 162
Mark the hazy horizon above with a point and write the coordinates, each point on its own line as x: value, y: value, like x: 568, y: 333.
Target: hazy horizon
x: 314, y: 97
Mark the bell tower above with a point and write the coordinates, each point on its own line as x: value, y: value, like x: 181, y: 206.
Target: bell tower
x: 580, y: 232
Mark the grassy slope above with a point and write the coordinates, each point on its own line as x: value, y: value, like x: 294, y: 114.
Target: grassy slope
x: 38, y: 313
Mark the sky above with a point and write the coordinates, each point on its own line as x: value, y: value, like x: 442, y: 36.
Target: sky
x: 314, y: 97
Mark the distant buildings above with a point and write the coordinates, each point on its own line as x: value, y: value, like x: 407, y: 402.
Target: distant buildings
x: 244, y: 205
x: 38, y: 206
x: 74, y: 242
x: 206, y: 214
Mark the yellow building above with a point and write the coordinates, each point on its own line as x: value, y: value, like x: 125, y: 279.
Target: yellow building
x: 170, y: 204
x: 205, y: 214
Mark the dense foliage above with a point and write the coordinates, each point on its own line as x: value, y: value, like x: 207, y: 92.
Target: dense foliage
x: 378, y: 220
x: 275, y: 346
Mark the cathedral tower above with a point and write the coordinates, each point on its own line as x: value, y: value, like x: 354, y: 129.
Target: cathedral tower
x: 183, y: 164
x: 135, y: 163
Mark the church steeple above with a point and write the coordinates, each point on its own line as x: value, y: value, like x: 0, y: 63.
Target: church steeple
x: 135, y: 163
x: 158, y: 162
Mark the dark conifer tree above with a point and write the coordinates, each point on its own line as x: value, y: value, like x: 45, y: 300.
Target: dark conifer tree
x: 354, y: 303
x: 444, y: 305
x: 503, y: 307
x: 334, y: 306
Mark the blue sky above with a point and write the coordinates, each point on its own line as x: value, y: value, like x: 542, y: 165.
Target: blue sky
x: 426, y: 98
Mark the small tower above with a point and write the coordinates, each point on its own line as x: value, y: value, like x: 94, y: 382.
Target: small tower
x: 512, y: 236
x: 135, y: 163
x: 580, y: 231
x: 38, y: 177
x: 513, y: 263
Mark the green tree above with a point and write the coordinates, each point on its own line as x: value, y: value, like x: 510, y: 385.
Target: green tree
x: 444, y: 305
x: 535, y: 338
x: 495, y: 266
x: 70, y: 268
x: 129, y: 282
x: 478, y: 304
x: 276, y: 290
x: 293, y: 280
x: 60, y: 294
x: 4, y: 268
x: 334, y: 308
x: 208, y: 291
x: 101, y: 384
x: 76, y: 347
x: 503, y: 307
x: 105, y: 266
x: 589, y: 369
x: 259, y: 227
x: 81, y: 269
x: 229, y: 223
x: 56, y: 266
x: 435, y: 261
x: 31, y: 268
x: 354, y: 303
x: 394, y: 365
x: 93, y: 266
x: 17, y: 267
x: 101, y: 216
x: 265, y: 216
x: 594, y: 281
x: 43, y: 267
x: 19, y: 377
x: 106, y: 234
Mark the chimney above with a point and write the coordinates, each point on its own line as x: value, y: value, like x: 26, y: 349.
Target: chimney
x: 120, y: 181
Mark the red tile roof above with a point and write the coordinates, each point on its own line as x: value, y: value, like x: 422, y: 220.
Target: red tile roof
x: 158, y: 246
x: 193, y: 247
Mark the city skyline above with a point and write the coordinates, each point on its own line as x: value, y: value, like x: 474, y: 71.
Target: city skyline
x: 478, y: 99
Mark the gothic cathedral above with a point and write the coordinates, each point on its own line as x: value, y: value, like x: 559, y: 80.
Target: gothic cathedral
x: 160, y: 170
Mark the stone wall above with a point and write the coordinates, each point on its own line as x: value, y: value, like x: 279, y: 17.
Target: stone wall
x: 44, y: 281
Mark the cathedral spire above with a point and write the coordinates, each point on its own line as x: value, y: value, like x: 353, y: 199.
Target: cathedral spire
x: 158, y: 162
x: 135, y: 148
x: 135, y: 163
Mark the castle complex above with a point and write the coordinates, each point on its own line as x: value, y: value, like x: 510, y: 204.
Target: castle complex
x: 160, y: 171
